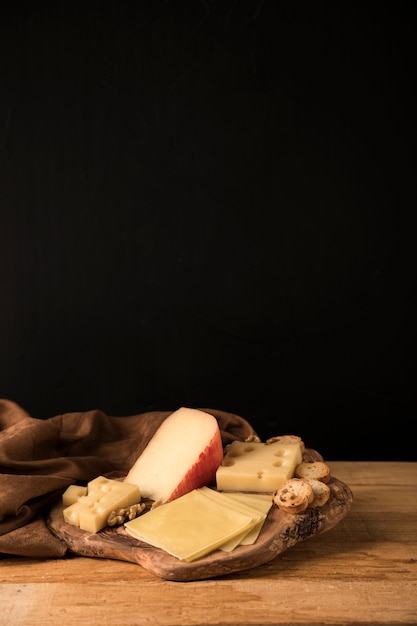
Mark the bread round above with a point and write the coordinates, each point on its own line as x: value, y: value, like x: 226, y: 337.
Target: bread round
x: 294, y: 496
x: 321, y: 492
x: 287, y: 439
x: 311, y: 455
x: 313, y: 469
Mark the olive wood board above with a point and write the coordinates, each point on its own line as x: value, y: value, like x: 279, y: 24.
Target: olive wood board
x: 279, y: 532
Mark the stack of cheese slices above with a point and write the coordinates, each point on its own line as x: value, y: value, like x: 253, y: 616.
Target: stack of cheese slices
x: 203, y: 497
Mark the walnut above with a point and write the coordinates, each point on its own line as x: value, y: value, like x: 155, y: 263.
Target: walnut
x: 119, y: 516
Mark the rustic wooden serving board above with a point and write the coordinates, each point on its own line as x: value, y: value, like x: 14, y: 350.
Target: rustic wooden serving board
x: 280, y: 532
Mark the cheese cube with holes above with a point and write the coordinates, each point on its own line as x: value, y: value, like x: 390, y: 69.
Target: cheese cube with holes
x: 258, y: 467
x: 182, y: 455
x: 72, y: 494
x: 91, y: 511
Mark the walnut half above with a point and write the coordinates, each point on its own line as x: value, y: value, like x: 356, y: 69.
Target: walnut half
x: 119, y: 516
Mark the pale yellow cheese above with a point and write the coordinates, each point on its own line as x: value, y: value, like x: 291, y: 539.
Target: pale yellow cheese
x: 254, y: 502
x: 72, y: 493
x: 258, y: 467
x: 189, y: 527
x: 254, y: 499
x: 72, y: 512
x: 258, y: 516
x: 90, y: 512
x: 262, y: 503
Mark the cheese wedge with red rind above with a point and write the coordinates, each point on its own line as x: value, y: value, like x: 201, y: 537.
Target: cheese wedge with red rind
x: 183, y: 454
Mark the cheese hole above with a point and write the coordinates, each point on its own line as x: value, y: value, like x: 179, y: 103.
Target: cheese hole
x: 228, y: 462
x: 260, y: 474
x: 234, y: 453
x: 278, y: 464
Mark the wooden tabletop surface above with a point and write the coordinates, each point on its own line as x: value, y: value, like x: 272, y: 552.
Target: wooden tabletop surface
x: 363, y: 571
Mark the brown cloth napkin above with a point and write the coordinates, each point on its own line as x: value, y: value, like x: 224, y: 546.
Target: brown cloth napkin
x: 39, y: 459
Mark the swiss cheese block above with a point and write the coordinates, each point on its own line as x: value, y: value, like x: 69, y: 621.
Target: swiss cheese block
x: 72, y: 493
x: 182, y: 455
x: 258, y: 467
x: 72, y: 512
x: 90, y: 512
x: 190, y: 526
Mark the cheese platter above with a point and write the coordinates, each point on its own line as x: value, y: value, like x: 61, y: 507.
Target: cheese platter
x: 280, y: 531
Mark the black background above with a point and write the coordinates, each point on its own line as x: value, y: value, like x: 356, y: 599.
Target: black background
x: 210, y: 203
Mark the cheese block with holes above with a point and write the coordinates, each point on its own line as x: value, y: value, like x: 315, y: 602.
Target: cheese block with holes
x: 258, y: 467
x: 91, y: 511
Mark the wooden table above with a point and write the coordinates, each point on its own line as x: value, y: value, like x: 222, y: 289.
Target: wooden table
x: 363, y: 571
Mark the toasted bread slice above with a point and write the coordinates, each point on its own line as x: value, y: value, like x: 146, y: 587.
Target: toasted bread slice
x: 321, y: 492
x: 313, y: 469
x: 294, y: 496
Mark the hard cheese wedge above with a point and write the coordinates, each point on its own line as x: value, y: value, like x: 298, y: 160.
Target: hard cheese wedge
x: 182, y: 455
x: 190, y: 526
x: 259, y: 467
x: 90, y: 512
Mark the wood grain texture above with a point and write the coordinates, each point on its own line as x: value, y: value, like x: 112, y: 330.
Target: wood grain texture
x: 361, y: 573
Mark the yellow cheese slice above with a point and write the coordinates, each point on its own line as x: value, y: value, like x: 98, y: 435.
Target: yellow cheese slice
x: 244, y: 505
x: 254, y: 499
x: 258, y: 467
x: 262, y: 503
x: 189, y: 527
